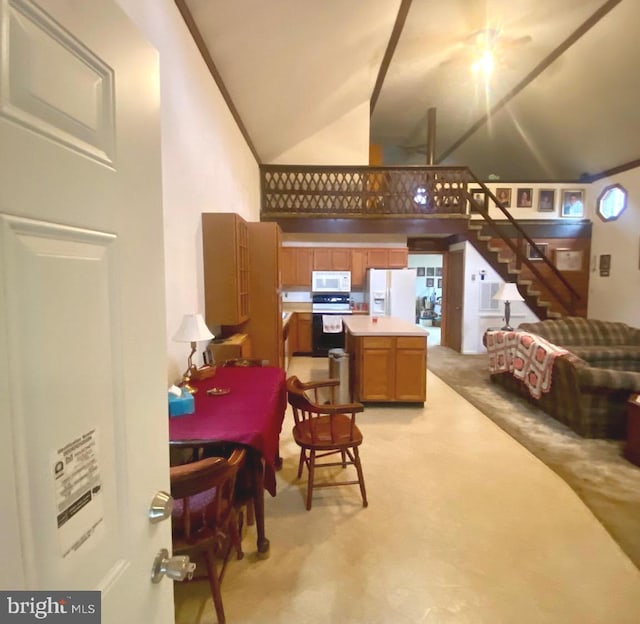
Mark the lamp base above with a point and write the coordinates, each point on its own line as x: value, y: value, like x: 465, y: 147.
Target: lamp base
x: 186, y: 378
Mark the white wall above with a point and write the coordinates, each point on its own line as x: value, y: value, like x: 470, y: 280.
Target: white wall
x: 617, y: 297
x: 207, y: 165
x: 344, y: 142
x: 477, y: 321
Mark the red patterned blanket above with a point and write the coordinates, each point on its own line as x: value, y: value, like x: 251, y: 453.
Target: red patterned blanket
x: 526, y: 356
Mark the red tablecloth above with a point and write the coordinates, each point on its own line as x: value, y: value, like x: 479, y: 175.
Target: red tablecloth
x: 251, y: 414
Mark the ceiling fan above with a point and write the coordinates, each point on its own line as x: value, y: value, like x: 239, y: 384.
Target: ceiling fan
x: 484, y: 48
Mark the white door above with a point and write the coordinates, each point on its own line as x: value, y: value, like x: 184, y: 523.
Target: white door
x: 82, y: 322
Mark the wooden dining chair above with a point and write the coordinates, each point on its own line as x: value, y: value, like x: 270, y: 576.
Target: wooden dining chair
x: 204, y: 518
x: 323, y: 430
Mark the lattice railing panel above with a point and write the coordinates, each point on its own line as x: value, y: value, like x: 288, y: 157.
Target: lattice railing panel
x: 363, y: 191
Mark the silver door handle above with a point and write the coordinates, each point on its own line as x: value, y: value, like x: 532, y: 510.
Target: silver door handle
x: 176, y: 568
x: 161, y: 507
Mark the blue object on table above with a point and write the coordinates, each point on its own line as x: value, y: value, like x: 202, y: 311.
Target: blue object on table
x: 181, y: 405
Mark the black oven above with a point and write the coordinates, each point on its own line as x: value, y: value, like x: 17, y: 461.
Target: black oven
x: 323, y: 330
x: 323, y: 341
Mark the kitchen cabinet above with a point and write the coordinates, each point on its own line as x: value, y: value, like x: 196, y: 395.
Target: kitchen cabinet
x: 378, y: 258
x: 384, y: 366
x: 264, y: 325
x: 398, y: 258
x: 388, y: 258
x: 296, y: 266
x: 226, y: 268
x: 358, y: 268
x: 298, y: 262
x: 332, y: 259
x: 303, y: 342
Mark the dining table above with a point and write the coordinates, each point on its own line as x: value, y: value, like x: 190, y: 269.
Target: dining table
x: 239, y: 406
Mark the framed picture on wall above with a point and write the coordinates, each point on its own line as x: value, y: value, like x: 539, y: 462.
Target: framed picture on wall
x: 572, y: 203
x: 429, y: 282
x: 480, y: 199
x: 532, y: 252
x: 569, y: 259
x: 546, y: 200
x: 524, y: 198
x: 439, y: 282
x: 503, y: 195
x: 439, y: 271
x: 431, y: 271
x: 421, y: 271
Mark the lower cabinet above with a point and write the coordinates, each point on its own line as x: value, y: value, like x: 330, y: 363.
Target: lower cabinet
x: 388, y: 368
x: 300, y: 333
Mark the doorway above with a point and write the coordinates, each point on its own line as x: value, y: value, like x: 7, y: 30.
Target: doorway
x: 429, y: 292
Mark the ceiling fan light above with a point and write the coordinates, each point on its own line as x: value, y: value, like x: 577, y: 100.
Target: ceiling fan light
x: 484, y: 64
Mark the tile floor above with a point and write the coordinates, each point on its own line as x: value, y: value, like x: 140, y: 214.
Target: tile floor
x: 463, y: 526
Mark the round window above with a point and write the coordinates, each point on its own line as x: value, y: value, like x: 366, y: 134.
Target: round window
x: 612, y: 202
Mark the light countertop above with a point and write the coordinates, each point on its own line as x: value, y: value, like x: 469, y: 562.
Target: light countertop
x: 386, y: 326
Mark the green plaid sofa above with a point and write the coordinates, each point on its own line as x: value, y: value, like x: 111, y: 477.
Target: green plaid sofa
x: 592, y: 383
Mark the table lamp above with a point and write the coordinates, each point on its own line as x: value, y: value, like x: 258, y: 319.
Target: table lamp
x: 192, y: 329
x: 507, y: 292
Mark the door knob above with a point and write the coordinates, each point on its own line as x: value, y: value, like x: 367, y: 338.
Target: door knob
x: 176, y: 568
x: 161, y: 507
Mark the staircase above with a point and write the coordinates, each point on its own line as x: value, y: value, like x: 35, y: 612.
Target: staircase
x: 547, y: 298
x: 509, y: 273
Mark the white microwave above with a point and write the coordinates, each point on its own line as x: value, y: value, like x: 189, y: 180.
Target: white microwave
x: 331, y: 281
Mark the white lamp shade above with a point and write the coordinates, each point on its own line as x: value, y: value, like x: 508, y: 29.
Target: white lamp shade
x: 508, y: 292
x: 192, y: 329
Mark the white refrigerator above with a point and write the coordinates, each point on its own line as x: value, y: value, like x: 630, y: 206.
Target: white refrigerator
x: 392, y: 292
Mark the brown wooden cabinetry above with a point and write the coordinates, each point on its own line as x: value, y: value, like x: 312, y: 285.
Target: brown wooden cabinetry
x: 358, y: 267
x: 226, y: 268
x: 392, y: 258
x: 264, y: 326
x: 302, y: 334
x: 296, y: 266
x: 388, y: 368
x: 398, y: 258
x: 378, y: 258
x: 298, y: 262
x: 332, y: 259
x: 410, y: 369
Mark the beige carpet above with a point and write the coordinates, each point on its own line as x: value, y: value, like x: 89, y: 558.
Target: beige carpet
x: 596, y: 469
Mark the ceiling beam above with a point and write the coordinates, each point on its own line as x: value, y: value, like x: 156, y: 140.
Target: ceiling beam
x: 401, y: 18
x: 213, y: 70
x: 532, y: 75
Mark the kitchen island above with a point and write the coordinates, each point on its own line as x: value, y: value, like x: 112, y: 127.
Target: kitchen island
x: 388, y: 359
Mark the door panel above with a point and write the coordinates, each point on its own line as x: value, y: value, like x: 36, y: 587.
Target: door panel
x: 82, y: 323
x: 453, y: 312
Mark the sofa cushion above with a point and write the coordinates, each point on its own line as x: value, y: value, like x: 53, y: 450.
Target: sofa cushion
x: 574, y: 330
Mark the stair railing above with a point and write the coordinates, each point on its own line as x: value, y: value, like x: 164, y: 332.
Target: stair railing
x: 569, y: 305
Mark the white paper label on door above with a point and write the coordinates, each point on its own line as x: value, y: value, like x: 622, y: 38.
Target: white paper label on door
x: 78, y: 486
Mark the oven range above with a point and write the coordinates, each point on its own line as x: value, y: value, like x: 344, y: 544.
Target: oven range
x: 326, y: 328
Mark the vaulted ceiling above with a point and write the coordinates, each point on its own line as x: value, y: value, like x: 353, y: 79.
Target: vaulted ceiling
x: 562, y: 101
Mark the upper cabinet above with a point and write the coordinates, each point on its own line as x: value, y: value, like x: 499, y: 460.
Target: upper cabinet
x: 296, y: 266
x: 226, y: 268
x: 398, y: 258
x: 298, y: 262
x: 332, y: 259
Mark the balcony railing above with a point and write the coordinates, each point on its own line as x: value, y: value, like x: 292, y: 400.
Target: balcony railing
x: 346, y: 192
x: 362, y: 192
